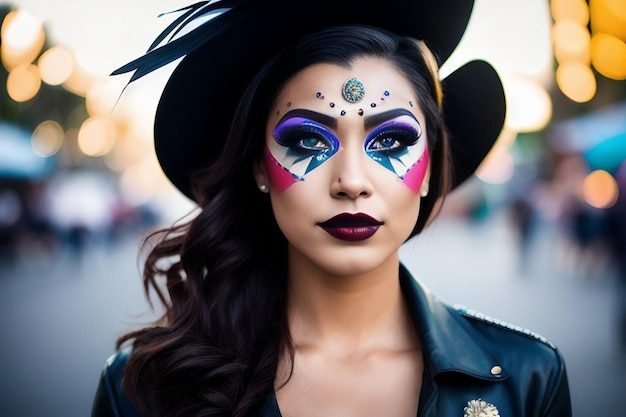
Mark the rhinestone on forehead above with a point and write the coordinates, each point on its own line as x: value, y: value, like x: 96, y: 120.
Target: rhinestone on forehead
x: 353, y: 90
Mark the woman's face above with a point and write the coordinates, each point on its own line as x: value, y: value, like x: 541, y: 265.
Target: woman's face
x: 346, y: 160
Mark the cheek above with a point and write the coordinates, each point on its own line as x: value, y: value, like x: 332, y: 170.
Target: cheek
x: 280, y: 178
x: 415, y: 176
x: 296, y: 199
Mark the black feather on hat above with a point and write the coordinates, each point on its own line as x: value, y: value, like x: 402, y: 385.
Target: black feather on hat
x: 222, y: 55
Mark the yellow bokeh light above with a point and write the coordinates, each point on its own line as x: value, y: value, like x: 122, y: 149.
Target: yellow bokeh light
x: 608, y: 56
x: 600, y: 189
x: 22, y: 37
x: 608, y: 16
x: 529, y: 106
x: 576, y: 81
x: 47, y: 138
x: 571, y: 42
x: 574, y: 10
x: 97, y: 136
x: 23, y: 82
x: 56, y: 65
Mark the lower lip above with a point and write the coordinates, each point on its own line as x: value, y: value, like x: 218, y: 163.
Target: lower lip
x: 352, y: 234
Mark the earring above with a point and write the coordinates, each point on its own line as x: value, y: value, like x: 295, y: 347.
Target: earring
x: 263, y: 188
x: 424, y: 192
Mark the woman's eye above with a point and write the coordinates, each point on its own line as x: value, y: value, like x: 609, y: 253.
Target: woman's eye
x: 303, y: 136
x: 392, y: 140
x: 313, y: 144
x: 385, y: 143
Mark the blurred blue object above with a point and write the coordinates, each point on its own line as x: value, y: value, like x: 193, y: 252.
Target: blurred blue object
x: 18, y: 160
x: 608, y: 154
x: 585, y: 132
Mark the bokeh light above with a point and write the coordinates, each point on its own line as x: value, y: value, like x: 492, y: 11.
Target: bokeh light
x: 577, y: 81
x: 23, y: 82
x: 97, y: 136
x: 47, y: 138
x: 593, y: 35
x: 600, y: 189
x: 56, y: 65
x: 22, y: 37
x: 529, y: 106
x: 608, y: 16
x: 571, y: 42
x: 608, y: 56
x: 573, y: 10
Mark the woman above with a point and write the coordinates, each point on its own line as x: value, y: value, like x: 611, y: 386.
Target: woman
x: 315, y: 149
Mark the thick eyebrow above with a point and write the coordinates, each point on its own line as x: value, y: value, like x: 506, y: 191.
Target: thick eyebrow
x: 322, y: 118
x: 378, y: 118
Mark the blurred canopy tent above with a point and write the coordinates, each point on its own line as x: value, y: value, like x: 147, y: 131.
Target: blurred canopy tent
x: 609, y: 154
x: 18, y: 160
x: 599, y: 136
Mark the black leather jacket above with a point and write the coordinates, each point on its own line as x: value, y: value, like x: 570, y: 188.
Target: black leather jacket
x: 473, y: 364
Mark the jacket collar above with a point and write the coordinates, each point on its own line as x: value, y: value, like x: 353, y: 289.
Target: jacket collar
x: 450, y: 343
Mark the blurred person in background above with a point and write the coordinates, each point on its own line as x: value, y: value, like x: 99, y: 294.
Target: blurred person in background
x: 11, y: 211
x: 616, y: 238
x: 316, y: 141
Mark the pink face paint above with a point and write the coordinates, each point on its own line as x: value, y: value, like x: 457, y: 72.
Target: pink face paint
x: 280, y: 179
x: 415, y: 176
x: 303, y: 140
x: 398, y: 145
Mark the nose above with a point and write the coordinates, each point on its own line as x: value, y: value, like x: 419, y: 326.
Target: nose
x: 351, y: 178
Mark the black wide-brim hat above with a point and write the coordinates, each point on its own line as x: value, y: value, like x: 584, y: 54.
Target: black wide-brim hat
x: 222, y: 55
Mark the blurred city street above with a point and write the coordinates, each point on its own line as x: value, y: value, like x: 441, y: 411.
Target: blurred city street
x: 63, y: 311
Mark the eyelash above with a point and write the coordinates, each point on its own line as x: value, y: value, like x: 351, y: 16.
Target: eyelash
x: 295, y: 137
x: 298, y: 131
x: 402, y: 138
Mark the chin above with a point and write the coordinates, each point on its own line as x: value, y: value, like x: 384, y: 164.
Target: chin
x: 359, y: 264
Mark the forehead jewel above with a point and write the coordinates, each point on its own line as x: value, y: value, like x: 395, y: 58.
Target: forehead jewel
x: 353, y: 90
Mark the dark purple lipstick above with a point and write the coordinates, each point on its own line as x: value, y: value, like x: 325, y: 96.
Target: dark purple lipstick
x: 351, y: 227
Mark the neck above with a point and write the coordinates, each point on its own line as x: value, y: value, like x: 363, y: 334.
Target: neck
x: 351, y: 312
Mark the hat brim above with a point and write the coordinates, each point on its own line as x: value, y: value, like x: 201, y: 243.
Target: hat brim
x: 474, y: 108
x: 196, y: 107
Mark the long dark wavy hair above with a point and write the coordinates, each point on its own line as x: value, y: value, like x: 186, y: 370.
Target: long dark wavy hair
x: 221, y: 276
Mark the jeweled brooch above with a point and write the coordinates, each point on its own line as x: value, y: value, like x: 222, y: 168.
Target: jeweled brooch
x: 480, y: 408
x: 353, y: 90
